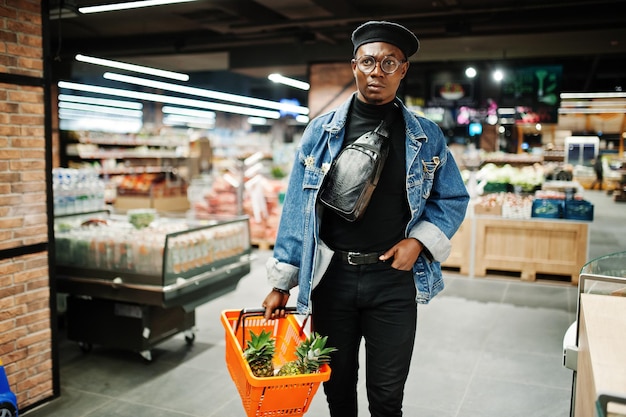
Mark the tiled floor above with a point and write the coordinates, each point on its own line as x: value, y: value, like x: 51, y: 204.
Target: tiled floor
x: 486, y: 347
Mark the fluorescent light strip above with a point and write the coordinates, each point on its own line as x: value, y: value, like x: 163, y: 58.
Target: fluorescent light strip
x: 132, y: 67
x: 82, y: 122
x: 78, y: 114
x: 178, y: 119
x: 277, y: 78
x: 207, y: 93
x: 128, y: 5
x: 258, y: 121
x: 593, y: 95
x: 188, y: 112
x: 592, y: 103
x: 100, y: 109
x: 101, y: 101
x: 170, y: 100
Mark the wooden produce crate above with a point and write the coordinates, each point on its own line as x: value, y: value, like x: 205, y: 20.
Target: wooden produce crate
x: 461, y: 254
x: 531, y: 247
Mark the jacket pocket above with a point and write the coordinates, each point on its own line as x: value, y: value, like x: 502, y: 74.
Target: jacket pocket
x: 428, y: 175
x: 312, y: 178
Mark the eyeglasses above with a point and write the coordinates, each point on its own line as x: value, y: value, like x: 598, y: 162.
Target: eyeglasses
x: 388, y: 64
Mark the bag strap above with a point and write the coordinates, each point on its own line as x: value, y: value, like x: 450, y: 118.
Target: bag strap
x: 385, y: 124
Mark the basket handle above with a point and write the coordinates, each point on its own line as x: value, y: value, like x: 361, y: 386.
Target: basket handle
x: 252, y: 312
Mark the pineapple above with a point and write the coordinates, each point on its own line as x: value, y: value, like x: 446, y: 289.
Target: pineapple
x: 311, y: 353
x: 259, y: 353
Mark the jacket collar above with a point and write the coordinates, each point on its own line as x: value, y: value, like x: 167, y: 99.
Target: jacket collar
x: 413, y: 127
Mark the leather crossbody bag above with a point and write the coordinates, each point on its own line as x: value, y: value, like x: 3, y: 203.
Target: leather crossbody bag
x: 353, y: 175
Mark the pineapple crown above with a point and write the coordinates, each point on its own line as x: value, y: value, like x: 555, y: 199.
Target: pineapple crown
x: 260, y: 347
x: 312, y: 352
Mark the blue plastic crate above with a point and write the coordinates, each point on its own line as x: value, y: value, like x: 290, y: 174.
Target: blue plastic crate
x: 547, y: 208
x: 578, y: 210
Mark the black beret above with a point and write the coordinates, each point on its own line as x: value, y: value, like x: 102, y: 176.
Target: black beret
x: 389, y: 32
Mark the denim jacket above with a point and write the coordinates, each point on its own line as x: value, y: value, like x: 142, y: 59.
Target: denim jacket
x: 436, y: 194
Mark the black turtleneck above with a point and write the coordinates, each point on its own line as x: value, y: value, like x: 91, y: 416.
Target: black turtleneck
x: 385, y: 219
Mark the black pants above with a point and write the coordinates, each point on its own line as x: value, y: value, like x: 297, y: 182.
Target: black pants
x: 377, y: 303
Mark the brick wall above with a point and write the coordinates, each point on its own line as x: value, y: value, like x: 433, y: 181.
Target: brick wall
x: 21, y: 38
x: 25, y: 319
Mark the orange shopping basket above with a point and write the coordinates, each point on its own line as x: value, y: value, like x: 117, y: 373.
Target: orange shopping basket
x: 271, y: 396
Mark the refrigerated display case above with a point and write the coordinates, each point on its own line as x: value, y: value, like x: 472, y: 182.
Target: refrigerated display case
x: 134, y: 280
x: 593, y: 346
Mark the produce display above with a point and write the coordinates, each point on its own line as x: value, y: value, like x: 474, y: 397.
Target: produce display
x: 517, y: 206
x: 150, y: 184
x: 492, y: 177
x: 260, y: 202
x: 541, y: 203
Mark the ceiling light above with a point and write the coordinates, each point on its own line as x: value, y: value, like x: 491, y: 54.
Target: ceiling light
x: 100, y: 109
x: 593, y: 95
x: 101, y: 101
x: 470, y: 72
x: 78, y: 114
x: 216, y: 95
x: 257, y: 121
x: 91, y: 123
x: 277, y: 78
x: 178, y: 120
x: 498, y: 75
x: 132, y: 67
x: 128, y: 5
x: 302, y: 119
x: 159, y: 98
x: 188, y: 112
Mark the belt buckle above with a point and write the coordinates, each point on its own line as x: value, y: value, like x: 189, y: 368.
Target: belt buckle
x: 349, y: 257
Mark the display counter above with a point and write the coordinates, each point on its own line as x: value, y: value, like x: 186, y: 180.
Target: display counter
x: 132, y: 282
x: 599, y: 351
x: 601, y: 381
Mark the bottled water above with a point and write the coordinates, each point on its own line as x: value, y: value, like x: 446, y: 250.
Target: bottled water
x: 77, y: 190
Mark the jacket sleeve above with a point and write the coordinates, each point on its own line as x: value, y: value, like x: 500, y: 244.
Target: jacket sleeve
x: 446, y: 205
x: 284, y: 266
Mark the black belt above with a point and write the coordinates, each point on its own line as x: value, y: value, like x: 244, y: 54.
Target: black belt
x: 358, y: 258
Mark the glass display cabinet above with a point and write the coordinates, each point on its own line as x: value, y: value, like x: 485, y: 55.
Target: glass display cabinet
x: 134, y: 280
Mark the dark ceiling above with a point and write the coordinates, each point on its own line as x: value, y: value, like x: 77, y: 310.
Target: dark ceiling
x: 257, y: 37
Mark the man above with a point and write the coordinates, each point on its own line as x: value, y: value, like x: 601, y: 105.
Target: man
x: 363, y: 279
x: 598, y: 169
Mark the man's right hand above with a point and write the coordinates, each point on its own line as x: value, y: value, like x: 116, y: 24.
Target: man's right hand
x: 274, y: 305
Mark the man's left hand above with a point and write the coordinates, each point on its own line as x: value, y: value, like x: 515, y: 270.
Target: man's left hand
x: 404, y: 254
